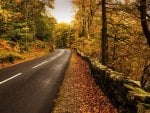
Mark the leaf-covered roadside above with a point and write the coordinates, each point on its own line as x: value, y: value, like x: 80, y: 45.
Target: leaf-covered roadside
x: 79, y: 93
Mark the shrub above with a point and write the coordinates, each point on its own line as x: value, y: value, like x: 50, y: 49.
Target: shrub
x: 6, y: 56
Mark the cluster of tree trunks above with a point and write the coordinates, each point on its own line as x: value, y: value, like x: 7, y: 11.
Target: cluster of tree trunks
x: 145, y: 18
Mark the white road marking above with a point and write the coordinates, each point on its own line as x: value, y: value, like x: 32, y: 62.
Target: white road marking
x: 57, y: 55
x: 2, y: 82
x: 50, y: 59
x: 40, y: 64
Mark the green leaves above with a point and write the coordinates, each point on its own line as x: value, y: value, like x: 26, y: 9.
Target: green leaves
x: 62, y: 35
x: 25, y: 20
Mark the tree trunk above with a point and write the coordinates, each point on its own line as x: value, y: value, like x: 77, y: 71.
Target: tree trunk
x: 144, y: 20
x: 104, y: 41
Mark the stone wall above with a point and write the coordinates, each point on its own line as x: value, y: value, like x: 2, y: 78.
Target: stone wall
x: 124, y: 93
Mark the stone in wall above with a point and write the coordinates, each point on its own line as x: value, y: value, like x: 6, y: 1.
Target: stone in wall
x: 124, y: 92
x: 145, y: 79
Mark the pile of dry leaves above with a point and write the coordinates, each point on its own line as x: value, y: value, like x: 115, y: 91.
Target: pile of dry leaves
x: 79, y: 93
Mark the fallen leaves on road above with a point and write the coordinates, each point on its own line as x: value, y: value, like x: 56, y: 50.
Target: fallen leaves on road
x: 79, y: 93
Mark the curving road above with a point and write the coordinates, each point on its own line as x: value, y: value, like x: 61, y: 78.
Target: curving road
x: 31, y: 87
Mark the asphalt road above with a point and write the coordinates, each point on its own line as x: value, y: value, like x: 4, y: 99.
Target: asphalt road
x: 31, y: 87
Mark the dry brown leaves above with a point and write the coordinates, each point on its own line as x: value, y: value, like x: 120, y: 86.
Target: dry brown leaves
x: 79, y: 93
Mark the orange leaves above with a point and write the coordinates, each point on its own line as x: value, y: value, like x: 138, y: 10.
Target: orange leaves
x: 79, y: 93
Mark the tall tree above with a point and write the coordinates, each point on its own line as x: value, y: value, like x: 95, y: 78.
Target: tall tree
x: 20, y: 20
x: 85, y: 15
x: 145, y: 18
x: 104, y: 41
x: 62, y: 35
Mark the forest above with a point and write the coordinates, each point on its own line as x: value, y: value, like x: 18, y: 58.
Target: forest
x: 113, y: 31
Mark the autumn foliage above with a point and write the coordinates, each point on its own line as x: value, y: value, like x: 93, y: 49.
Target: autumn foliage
x: 128, y: 51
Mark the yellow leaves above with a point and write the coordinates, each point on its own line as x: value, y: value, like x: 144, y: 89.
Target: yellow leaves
x: 6, y: 15
x: 1, y: 10
x: 26, y: 28
x: 89, y: 47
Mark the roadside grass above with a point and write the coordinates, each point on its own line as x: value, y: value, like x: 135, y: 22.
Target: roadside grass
x: 7, y: 56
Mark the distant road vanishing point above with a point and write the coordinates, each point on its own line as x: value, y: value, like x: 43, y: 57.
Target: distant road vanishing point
x: 32, y: 86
